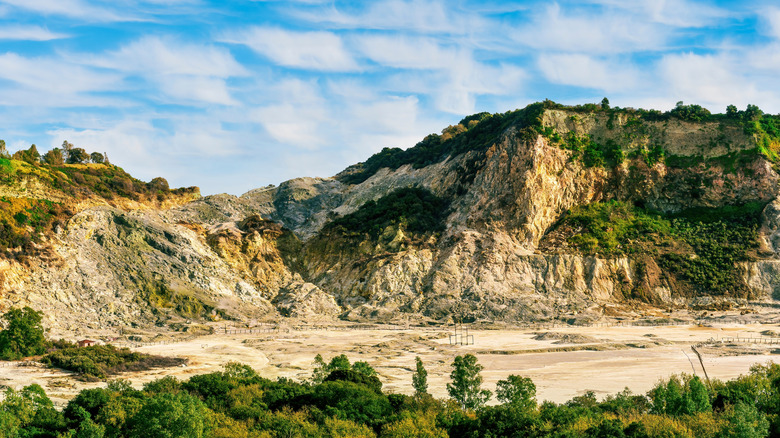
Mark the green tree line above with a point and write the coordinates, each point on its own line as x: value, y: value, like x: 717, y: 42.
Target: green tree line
x: 344, y: 399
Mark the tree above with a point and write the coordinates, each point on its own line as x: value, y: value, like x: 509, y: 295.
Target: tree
x: 97, y: 157
x: 30, y: 155
x: 517, y: 391
x: 752, y: 113
x: 170, y: 416
x: 605, y: 103
x: 466, y: 383
x: 338, y: 363
x: 77, y: 156
x: 732, y: 112
x: 23, y: 335
x: 3, y: 150
x: 66, y: 148
x: 743, y: 421
x: 420, y: 378
x: 53, y: 157
x: 685, y: 395
x: 159, y: 184
x: 364, y: 368
x: 320, y: 371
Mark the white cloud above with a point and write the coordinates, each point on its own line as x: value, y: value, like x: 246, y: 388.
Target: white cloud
x: 153, y: 56
x: 585, y: 71
x: 54, y: 76
x: 456, y: 78
x: 306, y: 50
x: 29, y: 33
x: 713, y: 81
x: 297, y: 117
x: 422, y: 16
x: 180, y: 71
x: 590, y: 33
x: 196, y: 88
x: 676, y: 13
x: 764, y: 59
x: 407, y: 53
x: 68, y: 8
x: 772, y: 16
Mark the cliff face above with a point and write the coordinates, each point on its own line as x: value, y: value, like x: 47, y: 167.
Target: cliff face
x: 508, y: 223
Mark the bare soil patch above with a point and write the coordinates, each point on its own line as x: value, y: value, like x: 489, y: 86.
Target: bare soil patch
x: 620, y: 357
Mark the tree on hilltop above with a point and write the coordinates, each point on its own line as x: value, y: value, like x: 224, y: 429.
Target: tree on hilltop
x: 53, y: 157
x: 97, y: 158
x: 77, y: 156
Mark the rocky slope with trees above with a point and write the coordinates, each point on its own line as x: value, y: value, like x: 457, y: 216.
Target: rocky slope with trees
x: 545, y: 212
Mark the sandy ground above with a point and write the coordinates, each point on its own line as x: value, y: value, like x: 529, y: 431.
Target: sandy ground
x: 633, y: 357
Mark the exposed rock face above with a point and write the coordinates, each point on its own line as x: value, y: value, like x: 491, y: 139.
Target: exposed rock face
x: 267, y: 253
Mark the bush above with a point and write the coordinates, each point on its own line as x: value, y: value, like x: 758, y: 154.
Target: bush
x: 100, y: 361
x: 415, y: 210
x: 23, y: 334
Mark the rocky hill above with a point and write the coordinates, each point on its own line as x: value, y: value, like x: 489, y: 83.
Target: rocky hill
x: 540, y: 213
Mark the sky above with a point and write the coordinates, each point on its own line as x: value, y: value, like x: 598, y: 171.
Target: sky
x: 233, y: 95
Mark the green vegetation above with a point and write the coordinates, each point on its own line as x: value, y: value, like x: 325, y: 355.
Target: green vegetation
x: 185, y: 303
x: 26, y: 221
x: 414, y: 210
x: 594, y: 154
x: 466, y: 387
x: 474, y: 133
x: 237, y: 402
x: 420, y: 378
x: 701, y: 246
x: 324, y: 371
x: 98, y: 362
x: 23, y: 334
x: 479, y: 131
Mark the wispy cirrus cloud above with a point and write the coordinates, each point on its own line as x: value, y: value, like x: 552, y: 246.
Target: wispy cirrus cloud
x: 181, y: 71
x: 305, y: 50
x: 716, y: 80
x: 29, y: 33
x: 590, y: 32
x: 772, y: 17
x: 585, y: 71
x: 679, y: 13
x: 52, y: 75
x: 68, y: 8
x: 418, y: 16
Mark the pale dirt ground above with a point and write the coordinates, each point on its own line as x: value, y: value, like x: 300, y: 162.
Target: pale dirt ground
x: 633, y: 357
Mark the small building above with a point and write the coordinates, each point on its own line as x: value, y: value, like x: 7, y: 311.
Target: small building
x: 87, y: 343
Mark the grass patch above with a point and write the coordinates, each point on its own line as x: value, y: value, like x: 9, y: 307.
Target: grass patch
x: 99, y: 362
x: 613, y: 228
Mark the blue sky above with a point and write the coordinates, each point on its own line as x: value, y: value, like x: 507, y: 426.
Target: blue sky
x: 234, y: 95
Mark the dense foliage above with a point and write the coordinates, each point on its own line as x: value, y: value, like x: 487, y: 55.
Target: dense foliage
x: 23, y: 334
x: 416, y: 211
x: 237, y: 402
x: 100, y: 361
x: 479, y: 131
x: 474, y: 133
x: 702, y: 246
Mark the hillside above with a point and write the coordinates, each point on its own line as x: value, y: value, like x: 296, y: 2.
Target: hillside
x: 540, y: 213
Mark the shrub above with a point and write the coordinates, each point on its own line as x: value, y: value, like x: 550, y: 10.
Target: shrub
x: 100, y: 361
x: 23, y: 334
